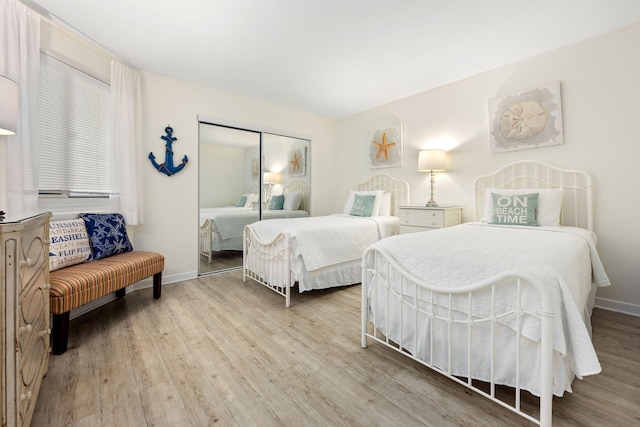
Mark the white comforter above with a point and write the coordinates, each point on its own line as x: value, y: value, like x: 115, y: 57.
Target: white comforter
x: 563, y: 257
x: 229, y: 222
x: 322, y: 241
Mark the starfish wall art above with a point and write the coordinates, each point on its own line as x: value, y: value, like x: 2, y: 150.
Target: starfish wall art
x: 297, y: 161
x: 385, y: 148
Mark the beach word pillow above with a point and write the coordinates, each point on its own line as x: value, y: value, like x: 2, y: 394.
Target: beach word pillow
x: 68, y: 243
x: 351, y: 199
x: 518, y: 209
x: 107, y: 234
x: 547, y: 210
x: 276, y: 202
x: 363, y: 205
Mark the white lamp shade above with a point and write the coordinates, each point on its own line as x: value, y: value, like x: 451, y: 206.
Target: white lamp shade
x: 432, y: 160
x: 271, y: 178
x: 8, y: 106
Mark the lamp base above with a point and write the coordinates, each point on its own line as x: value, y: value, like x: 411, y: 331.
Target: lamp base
x: 432, y: 205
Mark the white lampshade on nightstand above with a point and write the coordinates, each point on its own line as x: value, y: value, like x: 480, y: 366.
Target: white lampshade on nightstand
x: 432, y: 161
x: 8, y: 106
x: 271, y: 178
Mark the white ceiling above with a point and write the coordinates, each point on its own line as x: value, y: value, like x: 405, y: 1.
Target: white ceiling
x: 333, y: 57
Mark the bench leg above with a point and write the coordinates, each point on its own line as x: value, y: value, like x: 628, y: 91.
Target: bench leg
x: 121, y: 293
x: 60, y: 333
x: 157, y: 285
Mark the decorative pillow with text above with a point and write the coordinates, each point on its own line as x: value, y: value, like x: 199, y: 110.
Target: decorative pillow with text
x: 68, y: 243
x: 518, y: 209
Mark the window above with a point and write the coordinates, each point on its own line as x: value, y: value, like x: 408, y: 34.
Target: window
x: 75, y: 149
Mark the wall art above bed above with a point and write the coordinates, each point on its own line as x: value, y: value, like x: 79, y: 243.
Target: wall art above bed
x: 528, y: 119
x: 385, y: 147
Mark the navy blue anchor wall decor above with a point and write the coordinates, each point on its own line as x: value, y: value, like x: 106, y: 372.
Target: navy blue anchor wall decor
x: 167, y: 167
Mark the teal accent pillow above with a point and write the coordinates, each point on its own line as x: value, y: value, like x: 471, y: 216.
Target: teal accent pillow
x: 517, y: 209
x: 363, y: 205
x: 242, y: 201
x: 276, y: 202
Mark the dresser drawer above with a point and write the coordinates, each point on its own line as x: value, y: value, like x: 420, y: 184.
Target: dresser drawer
x: 422, y: 218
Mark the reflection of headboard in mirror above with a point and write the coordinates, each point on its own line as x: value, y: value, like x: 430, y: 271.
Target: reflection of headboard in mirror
x: 302, y: 188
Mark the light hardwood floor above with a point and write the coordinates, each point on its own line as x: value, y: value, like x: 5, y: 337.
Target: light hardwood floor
x: 215, y: 351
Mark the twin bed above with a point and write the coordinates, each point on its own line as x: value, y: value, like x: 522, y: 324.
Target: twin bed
x: 490, y: 305
x: 321, y: 252
x: 487, y: 305
x: 221, y: 228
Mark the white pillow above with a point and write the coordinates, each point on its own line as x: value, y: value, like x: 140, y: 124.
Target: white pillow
x: 251, y: 197
x: 547, y: 211
x: 385, y: 205
x: 376, y: 206
x: 292, y: 201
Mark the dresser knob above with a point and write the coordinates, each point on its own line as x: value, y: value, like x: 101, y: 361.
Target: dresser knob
x: 26, y: 328
x: 27, y: 262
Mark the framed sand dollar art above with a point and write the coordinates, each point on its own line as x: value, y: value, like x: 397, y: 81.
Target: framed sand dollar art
x: 529, y: 119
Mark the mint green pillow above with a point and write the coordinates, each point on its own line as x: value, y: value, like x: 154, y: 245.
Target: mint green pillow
x: 276, y: 202
x: 242, y: 201
x: 363, y: 204
x: 517, y: 209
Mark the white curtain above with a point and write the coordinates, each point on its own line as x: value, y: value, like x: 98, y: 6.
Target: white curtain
x: 127, y: 158
x: 20, y: 61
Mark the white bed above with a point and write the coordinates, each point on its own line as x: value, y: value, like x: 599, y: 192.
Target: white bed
x: 530, y: 290
x: 221, y: 228
x: 319, y: 252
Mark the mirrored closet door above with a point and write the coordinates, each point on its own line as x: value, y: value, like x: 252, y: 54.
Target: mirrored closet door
x: 245, y: 175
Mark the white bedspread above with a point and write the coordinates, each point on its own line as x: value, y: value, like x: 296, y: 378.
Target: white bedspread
x: 327, y: 240
x: 230, y: 222
x: 563, y: 257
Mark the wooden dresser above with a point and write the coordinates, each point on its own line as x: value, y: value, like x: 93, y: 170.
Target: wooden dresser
x: 24, y: 305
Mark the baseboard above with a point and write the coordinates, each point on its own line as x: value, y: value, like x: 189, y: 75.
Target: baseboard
x: 619, y: 306
x: 143, y: 284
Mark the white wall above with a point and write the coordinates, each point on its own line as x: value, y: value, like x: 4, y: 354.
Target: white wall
x: 171, y: 203
x: 600, y: 84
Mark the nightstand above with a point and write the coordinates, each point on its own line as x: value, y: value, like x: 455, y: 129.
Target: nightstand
x: 423, y: 218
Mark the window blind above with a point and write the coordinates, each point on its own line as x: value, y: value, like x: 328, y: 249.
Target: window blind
x: 75, y: 148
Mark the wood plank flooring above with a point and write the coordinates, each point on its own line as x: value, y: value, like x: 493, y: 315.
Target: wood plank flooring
x: 221, y: 260
x: 216, y: 351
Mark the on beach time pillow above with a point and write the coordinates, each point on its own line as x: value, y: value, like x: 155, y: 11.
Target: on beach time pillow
x: 68, y: 243
x: 518, y: 209
x: 107, y: 234
x: 548, y: 208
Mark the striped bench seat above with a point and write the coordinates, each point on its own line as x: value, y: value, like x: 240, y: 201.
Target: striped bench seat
x: 74, y: 286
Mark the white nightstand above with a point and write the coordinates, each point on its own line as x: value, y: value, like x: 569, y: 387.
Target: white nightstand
x: 423, y: 218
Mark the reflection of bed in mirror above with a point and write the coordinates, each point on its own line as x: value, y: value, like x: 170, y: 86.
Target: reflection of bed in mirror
x: 221, y: 228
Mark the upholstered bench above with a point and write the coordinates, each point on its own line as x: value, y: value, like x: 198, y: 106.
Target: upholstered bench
x: 90, y: 257
x: 74, y: 286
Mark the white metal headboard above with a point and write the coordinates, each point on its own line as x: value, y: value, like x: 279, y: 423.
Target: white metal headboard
x: 398, y: 188
x: 577, y: 203
x: 299, y: 187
